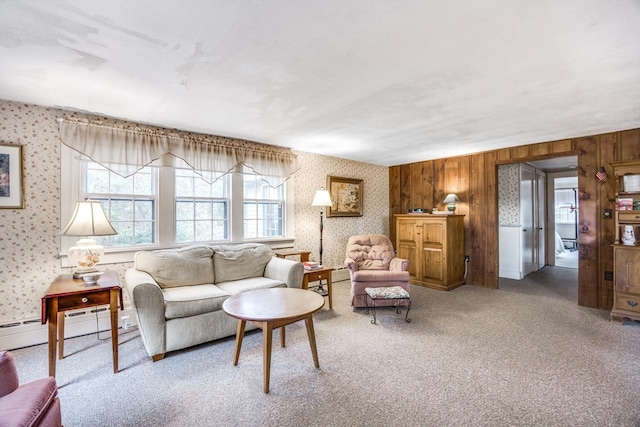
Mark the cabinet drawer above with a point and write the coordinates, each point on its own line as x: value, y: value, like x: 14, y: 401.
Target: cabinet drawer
x: 628, y: 302
x: 315, y: 276
x: 632, y: 217
x: 80, y: 301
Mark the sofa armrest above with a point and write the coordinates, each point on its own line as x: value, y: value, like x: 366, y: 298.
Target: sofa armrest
x: 148, y: 301
x: 285, y: 270
x: 399, y: 264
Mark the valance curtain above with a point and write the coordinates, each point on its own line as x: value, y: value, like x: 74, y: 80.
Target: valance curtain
x: 125, y: 150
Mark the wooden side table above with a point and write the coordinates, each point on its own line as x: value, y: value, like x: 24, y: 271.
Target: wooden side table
x: 67, y: 293
x: 317, y: 275
x: 304, y: 255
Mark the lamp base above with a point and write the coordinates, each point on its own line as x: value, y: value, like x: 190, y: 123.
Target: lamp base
x: 78, y: 272
x: 320, y: 290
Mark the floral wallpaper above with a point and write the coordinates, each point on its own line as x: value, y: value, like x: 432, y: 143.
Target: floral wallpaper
x: 509, y: 194
x: 29, y: 245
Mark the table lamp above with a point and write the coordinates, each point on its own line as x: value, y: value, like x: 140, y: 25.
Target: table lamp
x: 87, y: 220
x: 451, y: 199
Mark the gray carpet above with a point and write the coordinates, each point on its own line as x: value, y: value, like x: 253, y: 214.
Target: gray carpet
x: 524, y: 355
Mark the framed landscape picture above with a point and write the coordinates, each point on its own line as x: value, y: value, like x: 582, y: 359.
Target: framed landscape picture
x: 11, y: 190
x: 346, y: 196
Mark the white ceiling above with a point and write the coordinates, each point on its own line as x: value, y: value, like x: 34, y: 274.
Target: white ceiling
x: 384, y: 82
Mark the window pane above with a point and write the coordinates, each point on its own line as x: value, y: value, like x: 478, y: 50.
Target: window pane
x: 184, y: 231
x: 121, y: 210
x: 144, y: 233
x: 144, y: 210
x: 203, y: 231
x: 203, y: 210
x: 184, y: 210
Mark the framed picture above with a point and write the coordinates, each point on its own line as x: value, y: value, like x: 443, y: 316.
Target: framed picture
x: 11, y: 190
x: 346, y: 196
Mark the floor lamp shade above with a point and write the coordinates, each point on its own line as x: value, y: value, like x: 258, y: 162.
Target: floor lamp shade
x: 88, y: 219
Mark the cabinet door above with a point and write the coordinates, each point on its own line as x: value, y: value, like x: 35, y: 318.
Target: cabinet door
x: 627, y: 269
x: 408, y: 237
x: 432, y: 252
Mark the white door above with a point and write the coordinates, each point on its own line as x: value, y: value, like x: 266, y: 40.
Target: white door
x: 540, y: 220
x: 527, y: 197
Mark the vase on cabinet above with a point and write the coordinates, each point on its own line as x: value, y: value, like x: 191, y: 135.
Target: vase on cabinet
x: 628, y: 237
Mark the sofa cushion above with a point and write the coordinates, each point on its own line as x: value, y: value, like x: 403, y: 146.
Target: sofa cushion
x: 240, y: 261
x: 251, y: 284
x: 177, y: 267
x: 192, y: 300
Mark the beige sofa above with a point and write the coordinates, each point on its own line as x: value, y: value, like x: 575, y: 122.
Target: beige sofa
x: 177, y: 294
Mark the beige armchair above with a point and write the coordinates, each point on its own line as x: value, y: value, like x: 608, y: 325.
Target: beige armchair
x: 372, y: 263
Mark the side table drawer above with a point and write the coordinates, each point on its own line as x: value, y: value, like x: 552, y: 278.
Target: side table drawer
x: 628, y: 302
x: 81, y: 301
x: 319, y: 275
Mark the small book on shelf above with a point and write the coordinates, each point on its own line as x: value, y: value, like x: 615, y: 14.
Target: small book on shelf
x: 625, y: 204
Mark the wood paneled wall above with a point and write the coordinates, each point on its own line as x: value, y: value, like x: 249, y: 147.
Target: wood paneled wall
x: 474, y: 178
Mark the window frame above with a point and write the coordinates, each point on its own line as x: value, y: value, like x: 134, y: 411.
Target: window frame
x: 70, y: 192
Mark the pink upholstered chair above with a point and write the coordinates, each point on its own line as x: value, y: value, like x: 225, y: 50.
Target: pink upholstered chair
x: 31, y: 404
x: 372, y: 263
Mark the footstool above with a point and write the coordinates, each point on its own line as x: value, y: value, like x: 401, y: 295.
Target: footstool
x: 386, y: 293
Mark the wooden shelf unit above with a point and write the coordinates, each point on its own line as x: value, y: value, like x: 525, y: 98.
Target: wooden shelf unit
x: 626, y: 257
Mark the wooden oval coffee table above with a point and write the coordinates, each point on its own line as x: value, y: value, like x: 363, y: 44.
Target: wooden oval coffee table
x: 271, y: 309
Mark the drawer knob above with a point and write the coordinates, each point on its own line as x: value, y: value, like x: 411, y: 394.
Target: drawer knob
x: 85, y: 299
x: 632, y: 303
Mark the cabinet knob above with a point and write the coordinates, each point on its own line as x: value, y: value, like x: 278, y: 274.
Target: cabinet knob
x: 85, y: 299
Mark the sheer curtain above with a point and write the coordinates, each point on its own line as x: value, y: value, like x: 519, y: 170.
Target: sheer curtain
x: 126, y: 148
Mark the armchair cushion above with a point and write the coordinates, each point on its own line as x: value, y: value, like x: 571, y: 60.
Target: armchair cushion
x: 379, y: 276
x: 370, y: 251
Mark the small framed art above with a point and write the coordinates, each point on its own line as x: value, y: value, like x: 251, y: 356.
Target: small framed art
x: 346, y: 196
x: 11, y: 187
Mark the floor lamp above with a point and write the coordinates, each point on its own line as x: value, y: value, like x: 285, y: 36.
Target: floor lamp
x: 322, y: 198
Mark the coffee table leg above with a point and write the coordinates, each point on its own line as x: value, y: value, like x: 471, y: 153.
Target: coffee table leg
x: 267, y: 338
x: 282, y: 337
x: 312, y: 340
x: 239, y: 336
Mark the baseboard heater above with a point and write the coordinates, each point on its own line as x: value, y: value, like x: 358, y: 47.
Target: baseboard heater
x: 29, y: 332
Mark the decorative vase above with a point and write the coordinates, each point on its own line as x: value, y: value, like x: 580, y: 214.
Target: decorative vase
x: 628, y: 237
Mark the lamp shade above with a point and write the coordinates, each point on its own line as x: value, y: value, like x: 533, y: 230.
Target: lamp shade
x: 322, y: 198
x: 451, y: 198
x: 88, y: 219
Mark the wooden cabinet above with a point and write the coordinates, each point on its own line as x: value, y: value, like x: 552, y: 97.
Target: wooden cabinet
x: 626, y: 253
x: 434, y: 246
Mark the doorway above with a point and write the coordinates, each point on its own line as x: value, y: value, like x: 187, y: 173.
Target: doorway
x: 565, y: 216
x: 546, y: 173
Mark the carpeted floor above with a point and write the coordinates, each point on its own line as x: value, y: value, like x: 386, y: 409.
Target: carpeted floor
x: 524, y: 355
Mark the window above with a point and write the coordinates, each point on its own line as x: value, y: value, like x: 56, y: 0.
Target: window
x: 129, y: 203
x: 202, y: 209
x: 263, y: 208
x: 162, y: 207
